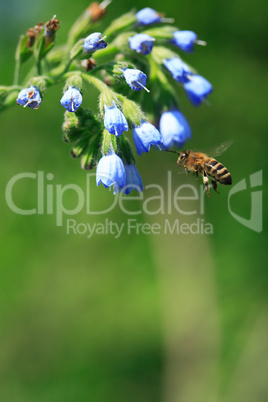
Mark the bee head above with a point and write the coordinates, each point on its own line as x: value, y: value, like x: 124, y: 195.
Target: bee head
x: 183, y: 157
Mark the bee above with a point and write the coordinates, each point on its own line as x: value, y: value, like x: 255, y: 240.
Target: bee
x: 200, y: 163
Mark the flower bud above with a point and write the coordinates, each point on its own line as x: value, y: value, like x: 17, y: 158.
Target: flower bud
x: 89, y: 159
x: 94, y: 42
x: 148, y: 16
x: 71, y: 99
x: 71, y: 127
x: 197, y: 89
x: 50, y: 29
x: 144, y: 136
x: 185, y: 40
x: 141, y: 43
x: 179, y: 70
x: 79, y: 124
x: 114, y: 120
x: 89, y: 64
x: 97, y: 11
x: 174, y: 129
x: 110, y: 170
x: 80, y: 147
x: 29, y: 97
x: 136, y: 79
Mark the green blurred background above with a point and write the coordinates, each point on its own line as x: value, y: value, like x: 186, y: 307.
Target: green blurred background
x: 170, y: 318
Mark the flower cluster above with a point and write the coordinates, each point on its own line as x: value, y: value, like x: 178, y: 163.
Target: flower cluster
x: 137, y: 53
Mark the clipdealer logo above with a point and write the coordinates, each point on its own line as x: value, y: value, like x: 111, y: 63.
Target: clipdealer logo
x: 255, y: 221
x: 50, y: 198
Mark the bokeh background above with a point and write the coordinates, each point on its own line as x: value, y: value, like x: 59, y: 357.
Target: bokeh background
x: 170, y: 318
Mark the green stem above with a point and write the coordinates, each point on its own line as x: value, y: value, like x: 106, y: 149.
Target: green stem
x: 101, y: 86
x: 121, y: 24
x: 61, y: 69
x: 16, y: 73
x: 110, y: 50
x: 11, y: 97
x: 38, y: 67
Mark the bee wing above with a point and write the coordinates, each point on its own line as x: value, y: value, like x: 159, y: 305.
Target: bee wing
x: 220, y: 149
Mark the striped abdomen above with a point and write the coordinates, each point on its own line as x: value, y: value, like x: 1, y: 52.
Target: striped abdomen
x: 216, y: 170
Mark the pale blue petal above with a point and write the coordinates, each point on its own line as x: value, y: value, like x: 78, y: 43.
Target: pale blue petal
x: 174, y: 128
x: 71, y: 99
x: 110, y: 170
x: 144, y: 136
x: 114, y: 121
x: 185, y: 40
x: 141, y: 43
x: 147, y: 16
x: 197, y: 89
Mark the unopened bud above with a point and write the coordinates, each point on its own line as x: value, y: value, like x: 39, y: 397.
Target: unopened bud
x: 89, y: 160
x: 80, y: 147
x: 89, y: 64
x: 97, y: 11
x: 50, y: 29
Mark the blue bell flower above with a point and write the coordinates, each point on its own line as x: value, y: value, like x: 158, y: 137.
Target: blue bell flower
x: 179, y: 70
x: 136, y: 79
x: 185, y: 40
x: 144, y: 136
x: 114, y: 120
x: 29, y: 97
x: 148, y: 16
x: 141, y: 43
x: 133, y: 181
x: 110, y: 170
x: 94, y: 42
x: 174, y: 128
x: 71, y: 99
x: 197, y: 89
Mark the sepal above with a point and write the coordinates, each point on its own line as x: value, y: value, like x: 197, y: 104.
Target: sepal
x: 109, y: 141
x: 80, y: 147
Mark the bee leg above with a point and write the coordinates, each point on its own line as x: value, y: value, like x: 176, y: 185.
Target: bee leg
x: 196, y: 172
x: 186, y: 170
x: 206, y: 183
x: 214, y: 186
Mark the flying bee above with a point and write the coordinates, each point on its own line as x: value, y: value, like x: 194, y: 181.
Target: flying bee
x: 198, y: 162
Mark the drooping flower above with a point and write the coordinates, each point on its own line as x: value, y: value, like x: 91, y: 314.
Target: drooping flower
x: 141, y: 43
x: 148, y: 16
x: 174, y: 128
x: 51, y: 27
x: 179, y: 70
x: 197, y: 89
x: 71, y: 99
x: 136, y: 79
x: 144, y: 136
x: 29, y: 97
x: 94, y: 42
x: 185, y: 40
x: 133, y: 181
x: 114, y: 120
x: 110, y: 170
